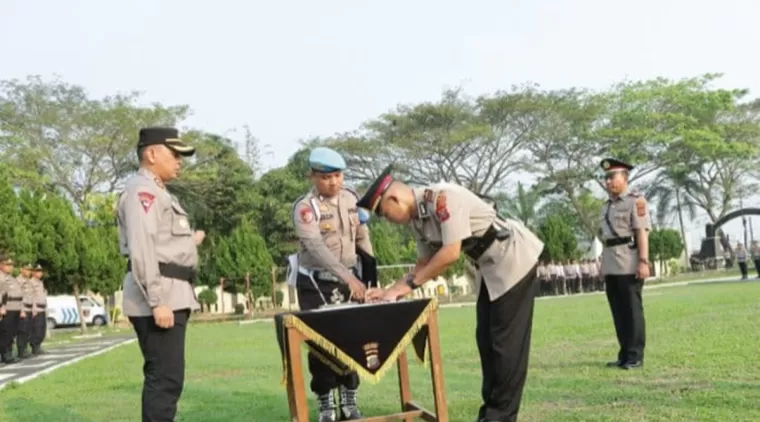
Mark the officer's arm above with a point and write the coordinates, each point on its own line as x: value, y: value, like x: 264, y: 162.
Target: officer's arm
x: 641, y: 226
x: 308, y: 232
x: 27, y: 295
x: 362, y: 233
x: 454, y: 217
x: 141, y: 208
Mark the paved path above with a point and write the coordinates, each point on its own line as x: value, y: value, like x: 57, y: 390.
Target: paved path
x: 59, y: 356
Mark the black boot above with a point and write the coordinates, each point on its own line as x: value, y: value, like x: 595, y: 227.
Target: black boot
x: 37, y: 350
x: 349, y: 409
x: 23, y: 353
x: 327, y: 410
x: 7, y: 358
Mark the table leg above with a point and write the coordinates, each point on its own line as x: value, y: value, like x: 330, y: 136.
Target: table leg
x: 436, y: 369
x: 403, y: 384
x: 299, y: 406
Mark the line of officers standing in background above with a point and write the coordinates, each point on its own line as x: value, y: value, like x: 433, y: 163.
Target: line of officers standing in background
x: 22, y: 310
x: 570, y: 277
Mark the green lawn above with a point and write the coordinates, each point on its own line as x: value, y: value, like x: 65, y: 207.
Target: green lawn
x: 701, y: 365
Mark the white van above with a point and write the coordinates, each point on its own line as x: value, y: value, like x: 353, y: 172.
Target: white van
x: 62, y: 311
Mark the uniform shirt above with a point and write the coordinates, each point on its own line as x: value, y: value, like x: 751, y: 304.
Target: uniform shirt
x: 449, y: 213
x: 541, y: 271
x: 756, y: 251
x: 585, y: 270
x: 330, y: 243
x: 741, y: 254
x: 3, y: 287
x: 153, y: 228
x: 571, y: 271
x: 26, y: 292
x: 39, y: 294
x: 15, y: 294
x: 626, y: 213
x: 558, y: 271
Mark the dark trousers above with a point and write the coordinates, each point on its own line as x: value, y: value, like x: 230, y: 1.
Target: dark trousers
x: 163, y: 352
x: 743, y: 268
x: 39, y: 330
x: 624, y: 297
x: 503, y: 334
x: 8, y: 331
x: 323, y: 378
x: 22, y: 335
x: 757, y: 267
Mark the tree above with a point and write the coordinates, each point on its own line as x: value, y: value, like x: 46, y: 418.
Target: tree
x: 664, y: 245
x: 56, y: 136
x: 559, y: 239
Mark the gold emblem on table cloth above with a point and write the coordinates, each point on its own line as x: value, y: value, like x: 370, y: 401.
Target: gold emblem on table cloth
x: 337, y: 296
x: 371, y: 352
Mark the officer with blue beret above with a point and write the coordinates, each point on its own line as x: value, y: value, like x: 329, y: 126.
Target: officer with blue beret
x: 330, y: 266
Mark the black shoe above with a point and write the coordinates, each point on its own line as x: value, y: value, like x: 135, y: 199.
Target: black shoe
x: 618, y: 363
x: 632, y: 364
x: 349, y: 409
x: 8, y: 359
x: 38, y: 351
x: 24, y: 355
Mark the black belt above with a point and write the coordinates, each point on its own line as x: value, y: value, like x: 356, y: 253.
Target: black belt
x: 42, y: 304
x: 15, y: 299
x: 172, y: 271
x: 617, y: 241
x: 475, y: 247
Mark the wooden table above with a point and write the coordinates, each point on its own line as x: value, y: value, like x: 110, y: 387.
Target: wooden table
x: 409, y: 409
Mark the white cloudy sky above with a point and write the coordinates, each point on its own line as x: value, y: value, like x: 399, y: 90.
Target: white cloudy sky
x: 306, y: 68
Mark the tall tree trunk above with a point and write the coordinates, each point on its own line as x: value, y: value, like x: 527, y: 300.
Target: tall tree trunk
x: 248, y: 297
x: 82, y: 323
x: 686, y: 260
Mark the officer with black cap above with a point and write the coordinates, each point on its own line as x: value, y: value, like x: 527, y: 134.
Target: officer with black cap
x: 447, y: 220
x: 10, y: 308
x: 625, y: 229
x: 155, y: 233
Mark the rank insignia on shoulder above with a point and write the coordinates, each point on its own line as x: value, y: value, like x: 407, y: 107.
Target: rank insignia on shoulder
x: 146, y: 200
x: 641, y: 207
x: 440, y: 207
x: 307, y: 216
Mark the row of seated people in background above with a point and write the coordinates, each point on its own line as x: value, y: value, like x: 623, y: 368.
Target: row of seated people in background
x: 571, y: 276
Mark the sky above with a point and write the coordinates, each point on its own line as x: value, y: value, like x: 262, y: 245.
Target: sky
x: 314, y: 68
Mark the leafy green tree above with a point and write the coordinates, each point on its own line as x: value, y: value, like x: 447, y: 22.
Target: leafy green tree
x: 664, y: 245
x: 561, y: 243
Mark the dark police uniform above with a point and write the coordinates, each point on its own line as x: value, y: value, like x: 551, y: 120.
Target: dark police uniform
x: 330, y: 230
x: 506, y: 256
x: 25, y: 321
x: 155, y: 233
x: 621, y: 217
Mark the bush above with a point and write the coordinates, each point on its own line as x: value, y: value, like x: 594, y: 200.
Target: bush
x: 279, y: 296
x: 239, y: 309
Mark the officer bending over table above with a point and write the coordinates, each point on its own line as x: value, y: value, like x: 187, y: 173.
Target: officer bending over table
x: 329, y: 227
x: 446, y: 220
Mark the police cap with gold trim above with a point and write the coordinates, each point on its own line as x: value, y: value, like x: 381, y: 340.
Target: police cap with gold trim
x: 611, y: 165
x: 168, y: 136
x: 371, y: 198
x: 326, y: 160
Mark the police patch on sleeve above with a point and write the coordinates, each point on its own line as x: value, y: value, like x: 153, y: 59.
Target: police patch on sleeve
x: 307, y: 216
x: 641, y: 207
x: 146, y: 200
x: 440, y: 207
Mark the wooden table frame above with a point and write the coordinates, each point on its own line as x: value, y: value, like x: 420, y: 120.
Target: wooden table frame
x: 410, y: 410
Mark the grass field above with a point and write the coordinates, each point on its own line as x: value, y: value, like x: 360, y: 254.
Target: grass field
x: 701, y: 365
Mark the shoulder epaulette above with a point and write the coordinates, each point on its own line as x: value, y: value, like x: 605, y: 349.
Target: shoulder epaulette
x: 353, y: 192
x: 635, y: 194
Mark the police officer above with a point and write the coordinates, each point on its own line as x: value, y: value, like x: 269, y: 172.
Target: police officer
x: 625, y: 229
x: 12, y: 306
x: 24, y: 324
x: 446, y: 220
x: 39, y: 312
x: 329, y: 227
x: 155, y: 232
x: 741, y: 258
x: 756, y: 256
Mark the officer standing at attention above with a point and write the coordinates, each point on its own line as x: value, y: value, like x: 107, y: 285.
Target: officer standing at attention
x: 625, y: 229
x: 446, y: 220
x: 155, y: 232
x: 328, y: 225
x: 25, y: 323
x: 12, y: 309
x: 39, y: 312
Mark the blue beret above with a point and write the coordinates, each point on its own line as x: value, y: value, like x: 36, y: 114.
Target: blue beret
x: 363, y: 216
x: 326, y: 160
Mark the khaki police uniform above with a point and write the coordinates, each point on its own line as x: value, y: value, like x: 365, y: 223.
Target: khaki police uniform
x: 620, y: 218
x: 39, y: 318
x: 505, y: 254
x: 11, y: 321
x: 155, y: 235
x: 741, y: 258
x: 25, y: 321
x: 329, y: 231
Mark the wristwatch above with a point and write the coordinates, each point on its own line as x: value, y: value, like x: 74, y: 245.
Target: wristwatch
x: 410, y: 282
x: 644, y: 261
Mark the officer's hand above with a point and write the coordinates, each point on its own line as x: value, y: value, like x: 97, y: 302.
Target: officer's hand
x: 358, y: 291
x: 34, y: 314
x: 2, y: 310
x: 642, y: 271
x: 199, y: 236
x: 163, y: 317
